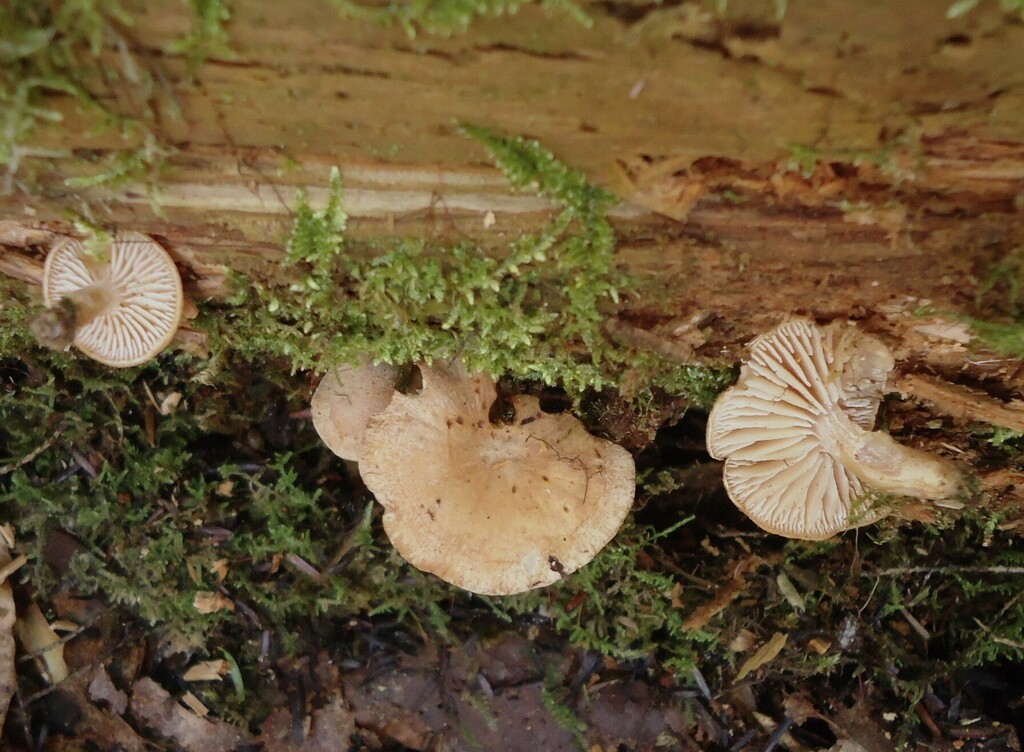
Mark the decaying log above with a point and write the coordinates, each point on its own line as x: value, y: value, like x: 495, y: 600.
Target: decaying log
x: 961, y: 402
x: 904, y: 188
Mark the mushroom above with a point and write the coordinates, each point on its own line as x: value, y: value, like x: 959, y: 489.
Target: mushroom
x: 492, y: 508
x: 800, y: 458
x: 121, y: 310
x: 344, y: 402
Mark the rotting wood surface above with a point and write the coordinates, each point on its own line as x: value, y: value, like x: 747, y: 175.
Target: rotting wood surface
x: 684, y: 115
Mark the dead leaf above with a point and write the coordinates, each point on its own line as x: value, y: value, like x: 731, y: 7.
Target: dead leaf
x: 327, y: 730
x: 726, y: 593
x: 152, y: 705
x: 857, y: 725
x: 765, y: 655
x: 743, y: 641
x: 194, y: 704
x: 674, y: 595
x: 102, y: 689
x: 40, y: 640
x: 189, y: 310
x: 207, y: 602
x: 99, y: 728
x: 191, y: 341
x: 11, y: 566
x: 800, y: 709
x: 170, y: 403
x: 790, y: 593
x: 819, y: 645
x: 207, y: 671
x: 955, y: 331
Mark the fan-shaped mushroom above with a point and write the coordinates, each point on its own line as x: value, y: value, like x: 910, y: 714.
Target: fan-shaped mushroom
x: 495, y: 509
x: 122, y: 311
x: 795, y: 435
x: 344, y: 402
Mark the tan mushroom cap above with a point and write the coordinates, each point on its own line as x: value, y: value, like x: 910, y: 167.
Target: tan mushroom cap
x: 799, y: 458
x: 344, y: 402
x: 134, y: 300
x: 493, y: 509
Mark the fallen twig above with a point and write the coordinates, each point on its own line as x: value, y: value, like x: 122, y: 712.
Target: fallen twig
x: 10, y: 468
x: 897, y: 571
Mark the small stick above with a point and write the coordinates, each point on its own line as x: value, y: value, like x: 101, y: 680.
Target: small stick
x: 914, y: 623
x: 896, y: 571
x: 5, y: 469
x: 926, y: 719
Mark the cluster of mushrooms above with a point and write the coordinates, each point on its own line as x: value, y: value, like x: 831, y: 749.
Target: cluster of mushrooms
x: 494, y: 508
x: 503, y: 507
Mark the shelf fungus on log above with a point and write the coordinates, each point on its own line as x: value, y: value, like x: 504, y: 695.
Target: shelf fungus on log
x: 494, y: 508
x: 795, y: 432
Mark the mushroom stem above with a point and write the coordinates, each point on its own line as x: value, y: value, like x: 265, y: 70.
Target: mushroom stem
x: 888, y: 466
x: 55, y: 327
x: 91, y: 302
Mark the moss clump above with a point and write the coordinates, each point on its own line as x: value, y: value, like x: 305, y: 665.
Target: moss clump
x: 960, y: 583
x: 618, y: 606
x: 1002, y: 291
x: 961, y: 7
x: 446, y: 16
x: 225, y: 493
x: 155, y: 508
x: 536, y: 313
x: 208, y: 36
x: 57, y: 48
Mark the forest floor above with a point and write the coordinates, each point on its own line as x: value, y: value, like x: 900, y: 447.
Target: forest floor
x: 193, y: 569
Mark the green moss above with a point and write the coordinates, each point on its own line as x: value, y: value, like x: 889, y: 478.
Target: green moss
x: 148, y: 514
x: 15, y: 305
x: 208, y: 36
x: 537, y: 313
x: 1001, y: 338
x: 1002, y: 293
x: 446, y: 16
x: 57, y: 48
x: 960, y: 7
x: 1004, y: 438
x: 959, y: 582
x: 206, y: 499
x: 152, y: 510
x: 721, y: 7
x: 618, y: 606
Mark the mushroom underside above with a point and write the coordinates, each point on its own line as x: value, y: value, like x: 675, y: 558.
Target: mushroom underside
x: 800, y: 458
x: 128, y: 308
